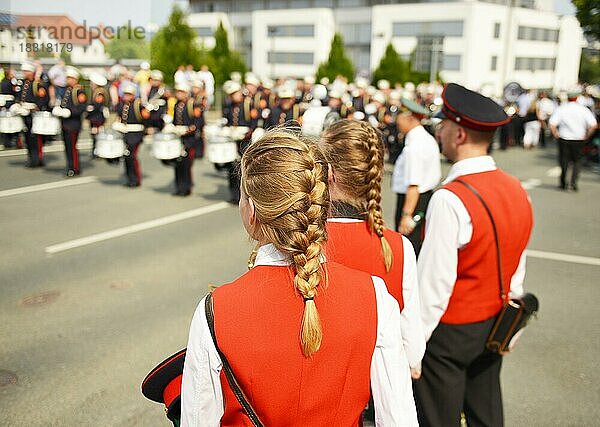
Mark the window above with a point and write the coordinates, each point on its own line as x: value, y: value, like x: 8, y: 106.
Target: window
x: 494, y: 65
x: 442, y: 28
x: 360, y: 56
x: 204, y: 31
x: 535, y: 64
x: 537, y: 34
x: 356, y: 33
x: 451, y: 62
x: 497, y: 30
x: 302, y: 58
x: 291, y: 31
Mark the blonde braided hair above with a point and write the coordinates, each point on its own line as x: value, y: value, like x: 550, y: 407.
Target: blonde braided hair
x: 286, y: 178
x: 355, y: 151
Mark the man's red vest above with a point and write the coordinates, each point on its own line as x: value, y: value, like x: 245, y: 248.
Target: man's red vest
x: 257, y: 323
x: 353, y: 245
x: 476, y: 294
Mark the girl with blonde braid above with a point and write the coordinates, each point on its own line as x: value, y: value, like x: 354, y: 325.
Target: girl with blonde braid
x: 357, y: 235
x: 306, y: 338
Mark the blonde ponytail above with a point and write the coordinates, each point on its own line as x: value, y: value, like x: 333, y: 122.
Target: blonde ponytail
x: 286, y: 178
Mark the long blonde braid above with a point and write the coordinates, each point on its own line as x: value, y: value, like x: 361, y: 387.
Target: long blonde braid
x: 286, y: 178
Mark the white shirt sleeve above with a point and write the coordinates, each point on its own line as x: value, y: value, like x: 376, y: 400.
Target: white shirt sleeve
x: 590, y: 119
x: 517, y: 279
x: 390, y: 375
x: 201, y: 394
x: 555, y: 117
x: 414, y: 168
x: 410, y: 316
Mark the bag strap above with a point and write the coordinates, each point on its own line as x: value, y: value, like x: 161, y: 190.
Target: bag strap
x: 233, y: 383
x: 503, y: 294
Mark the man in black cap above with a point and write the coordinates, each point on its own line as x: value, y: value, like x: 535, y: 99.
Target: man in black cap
x: 463, y: 285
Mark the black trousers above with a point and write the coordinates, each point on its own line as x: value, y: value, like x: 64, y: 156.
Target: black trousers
x: 34, y: 144
x: 416, y: 237
x: 183, y: 171
x: 460, y: 375
x: 70, y: 137
x: 569, y: 152
x: 132, y: 165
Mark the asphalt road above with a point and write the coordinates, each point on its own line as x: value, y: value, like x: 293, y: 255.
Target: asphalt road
x: 83, y: 321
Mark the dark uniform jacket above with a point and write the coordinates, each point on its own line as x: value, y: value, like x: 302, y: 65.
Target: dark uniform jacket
x: 96, y: 108
x: 189, y: 114
x: 34, y: 92
x: 156, y: 96
x: 280, y: 116
x: 132, y: 113
x: 75, y: 100
x: 7, y: 87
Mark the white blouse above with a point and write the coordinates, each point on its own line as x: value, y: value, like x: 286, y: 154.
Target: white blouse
x: 202, y: 397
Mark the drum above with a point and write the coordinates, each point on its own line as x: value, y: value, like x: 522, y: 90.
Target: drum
x: 220, y: 148
x: 10, y: 123
x: 109, y: 145
x: 166, y: 146
x: 44, y: 123
x: 317, y: 119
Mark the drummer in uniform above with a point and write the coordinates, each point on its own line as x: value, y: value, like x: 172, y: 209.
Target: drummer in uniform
x: 200, y: 101
x: 390, y: 128
x: 240, y: 112
x: 287, y: 111
x: 33, y: 95
x: 97, y: 110
x: 376, y: 110
x: 8, y: 95
x: 71, y: 109
x: 337, y: 105
x: 132, y: 116
x: 186, y: 113
x: 156, y: 102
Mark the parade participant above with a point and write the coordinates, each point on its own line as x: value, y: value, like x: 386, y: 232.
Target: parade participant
x: 337, y: 105
x: 33, y: 95
x: 58, y: 78
x: 545, y: 108
x: 8, y: 95
x: 390, y: 131
x: 239, y: 112
x: 200, y: 101
x: 251, y: 86
x: 131, y: 118
x: 360, y: 98
x: 155, y: 101
x: 417, y: 172
x: 571, y: 124
x: 188, y: 115
x: 97, y: 110
x: 71, y: 109
x: 458, y: 267
x: 288, y: 327
x: 287, y: 110
x: 358, y: 237
x: 376, y: 110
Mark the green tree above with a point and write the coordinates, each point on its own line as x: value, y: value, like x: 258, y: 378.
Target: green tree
x: 123, y: 47
x: 392, y: 67
x: 338, y: 63
x: 175, y: 45
x: 225, y: 60
x: 588, y: 14
x: 589, y: 68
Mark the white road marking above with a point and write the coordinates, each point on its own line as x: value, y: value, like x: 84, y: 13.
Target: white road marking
x: 531, y: 183
x: 553, y: 172
x: 48, y: 186
x: 555, y: 256
x: 135, y: 228
x: 55, y: 148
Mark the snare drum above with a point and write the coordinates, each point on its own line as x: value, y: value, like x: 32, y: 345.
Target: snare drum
x: 220, y: 147
x: 109, y: 145
x: 10, y: 123
x: 166, y: 146
x: 317, y: 119
x: 44, y: 123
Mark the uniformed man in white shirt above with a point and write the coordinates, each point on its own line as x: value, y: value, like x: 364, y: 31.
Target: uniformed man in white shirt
x: 462, y: 285
x: 571, y: 124
x: 417, y: 172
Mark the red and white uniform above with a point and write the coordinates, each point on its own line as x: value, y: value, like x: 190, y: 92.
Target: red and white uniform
x: 352, y: 244
x: 457, y: 266
x: 257, y: 323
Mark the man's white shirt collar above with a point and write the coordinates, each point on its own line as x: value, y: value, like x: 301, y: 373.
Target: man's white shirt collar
x: 469, y: 166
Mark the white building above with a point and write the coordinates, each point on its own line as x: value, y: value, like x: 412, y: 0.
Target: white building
x: 481, y: 43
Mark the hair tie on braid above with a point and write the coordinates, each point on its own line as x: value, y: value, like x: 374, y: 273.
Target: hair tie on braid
x: 308, y: 298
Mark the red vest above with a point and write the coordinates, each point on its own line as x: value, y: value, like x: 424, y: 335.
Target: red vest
x: 353, y: 245
x: 476, y: 294
x: 257, y: 323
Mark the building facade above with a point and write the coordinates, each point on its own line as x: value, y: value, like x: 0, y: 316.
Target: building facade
x: 476, y: 43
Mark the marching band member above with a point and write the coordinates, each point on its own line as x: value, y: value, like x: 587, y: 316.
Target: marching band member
x: 131, y: 117
x: 155, y: 101
x: 200, y: 101
x: 33, y: 95
x: 376, y: 110
x: 8, y: 94
x: 358, y: 237
x: 360, y: 98
x: 286, y: 111
x: 458, y: 266
x: 189, y: 117
x: 72, y: 106
x: 288, y: 327
x: 97, y: 110
x: 417, y: 172
x: 336, y: 104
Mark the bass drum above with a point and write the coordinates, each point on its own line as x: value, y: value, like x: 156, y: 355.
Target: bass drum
x: 109, y: 145
x: 316, y: 119
x: 167, y: 146
x: 221, y: 147
x: 10, y: 123
x: 44, y: 123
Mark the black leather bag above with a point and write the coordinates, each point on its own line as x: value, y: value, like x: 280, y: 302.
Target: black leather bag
x: 515, y: 312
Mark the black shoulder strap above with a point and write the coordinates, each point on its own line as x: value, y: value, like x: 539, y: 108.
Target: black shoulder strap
x: 503, y: 295
x: 235, y: 387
